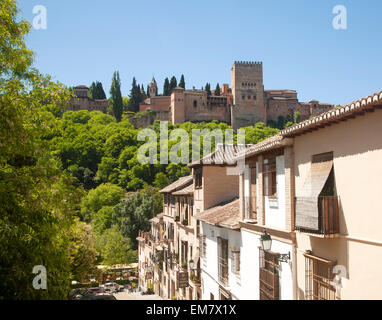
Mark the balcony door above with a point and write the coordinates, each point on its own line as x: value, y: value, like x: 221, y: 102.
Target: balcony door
x: 269, y: 276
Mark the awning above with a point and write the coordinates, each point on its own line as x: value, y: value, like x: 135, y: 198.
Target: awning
x: 307, y: 215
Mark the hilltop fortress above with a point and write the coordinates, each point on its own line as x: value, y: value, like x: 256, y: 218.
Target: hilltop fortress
x: 244, y: 104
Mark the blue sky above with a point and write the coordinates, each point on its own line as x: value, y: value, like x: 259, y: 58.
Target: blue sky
x: 88, y: 40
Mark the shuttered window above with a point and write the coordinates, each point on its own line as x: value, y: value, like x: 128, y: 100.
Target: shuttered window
x: 202, y: 246
x: 307, y: 200
x: 270, y: 183
x: 235, y: 261
x: 319, y: 278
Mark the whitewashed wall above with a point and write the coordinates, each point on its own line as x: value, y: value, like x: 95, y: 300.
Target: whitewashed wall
x: 209, y: 265
x: 275, y: 208
x: 250, y: 283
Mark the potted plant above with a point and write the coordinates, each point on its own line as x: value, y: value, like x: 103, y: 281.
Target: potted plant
x: 185, y: 222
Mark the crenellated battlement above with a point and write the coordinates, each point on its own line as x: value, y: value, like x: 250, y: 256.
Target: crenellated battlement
x: 248, y: 63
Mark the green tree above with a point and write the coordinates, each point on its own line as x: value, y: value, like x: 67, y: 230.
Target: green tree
x: 38, y: 201
x: 116, y: 96
x: 166, y: 87
x: 217, y: 90
x: 102, y: 219
x: 99, y: 92
x: 125, y: 103
x: 182, y: 83
x: 135, y: 96
x: 161, y: 180
x: 297, y: 117
x: 208, y: 89
x: 104, y: 195
x: 114, y: 248
x: 133, y: 214
x: 92, y: 89
x: 82, y: 251
x: 173, y: 84
x: 280, y: 122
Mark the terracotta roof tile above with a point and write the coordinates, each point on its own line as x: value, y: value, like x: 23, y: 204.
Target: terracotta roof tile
x: 223, y: 155
x: 181, y: 182
x: 225, y: 215
x: 185, y: 191
x: 357, y: 107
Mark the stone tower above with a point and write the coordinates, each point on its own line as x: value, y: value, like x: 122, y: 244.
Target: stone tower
x: 248, y: 94
x: 153, y: 88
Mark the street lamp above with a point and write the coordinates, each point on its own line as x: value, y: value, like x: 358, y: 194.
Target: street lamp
x: 191, y: 263
x: 266, y: 241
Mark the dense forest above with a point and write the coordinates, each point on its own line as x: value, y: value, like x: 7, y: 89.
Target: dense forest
x: 72, y: 192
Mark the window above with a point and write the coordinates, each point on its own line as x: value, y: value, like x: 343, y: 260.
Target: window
x: 195, y: 103
x: 253, y: 192
x: 318, y: 278
x: 198, y: 178
x: 243, y: 97
x: 269, y: 276
x: 249, y: 97
x: 203, y: 246
x: 270, y: 181
x: 255, y: 97
x: 223, y: 261
x: 235, y: 261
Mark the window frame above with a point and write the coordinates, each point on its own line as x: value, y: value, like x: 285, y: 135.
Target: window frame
x: 270, y: 177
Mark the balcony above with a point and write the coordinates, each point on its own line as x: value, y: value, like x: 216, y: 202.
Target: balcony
x: 324, y: 218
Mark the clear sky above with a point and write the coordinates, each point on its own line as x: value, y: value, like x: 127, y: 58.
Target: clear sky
x: 87, y: 40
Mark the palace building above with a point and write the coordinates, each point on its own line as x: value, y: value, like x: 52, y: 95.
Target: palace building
x: 245, y: 104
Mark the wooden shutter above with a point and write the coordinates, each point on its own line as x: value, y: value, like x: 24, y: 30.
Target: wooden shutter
x: 269, y: 276
x: 253, y: 195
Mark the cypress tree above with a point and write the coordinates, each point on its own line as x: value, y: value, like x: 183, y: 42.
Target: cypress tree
x: 208, y: 89
x: 91, y: 90
x: 96, y: 91
x: 100, y: 93
x: 116, y: 96
x: 173, y: 84
x: 136, y: 96
x: 166, y: 87
x: 182, y: 83
x: 217, y: 90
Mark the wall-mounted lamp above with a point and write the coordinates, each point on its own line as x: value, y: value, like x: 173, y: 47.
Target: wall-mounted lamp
x: 266, y: 244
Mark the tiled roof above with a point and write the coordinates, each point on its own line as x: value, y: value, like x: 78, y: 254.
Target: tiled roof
x: 270, y: 143
x: 332, y: 116
x: 223, y: 155
x: 226, y: 215
x: 157, y: 218
x: 181, y: 182
x: 358, y: 107
x: 185, y: 191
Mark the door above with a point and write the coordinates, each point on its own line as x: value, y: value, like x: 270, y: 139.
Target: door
x: 269, y: 276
